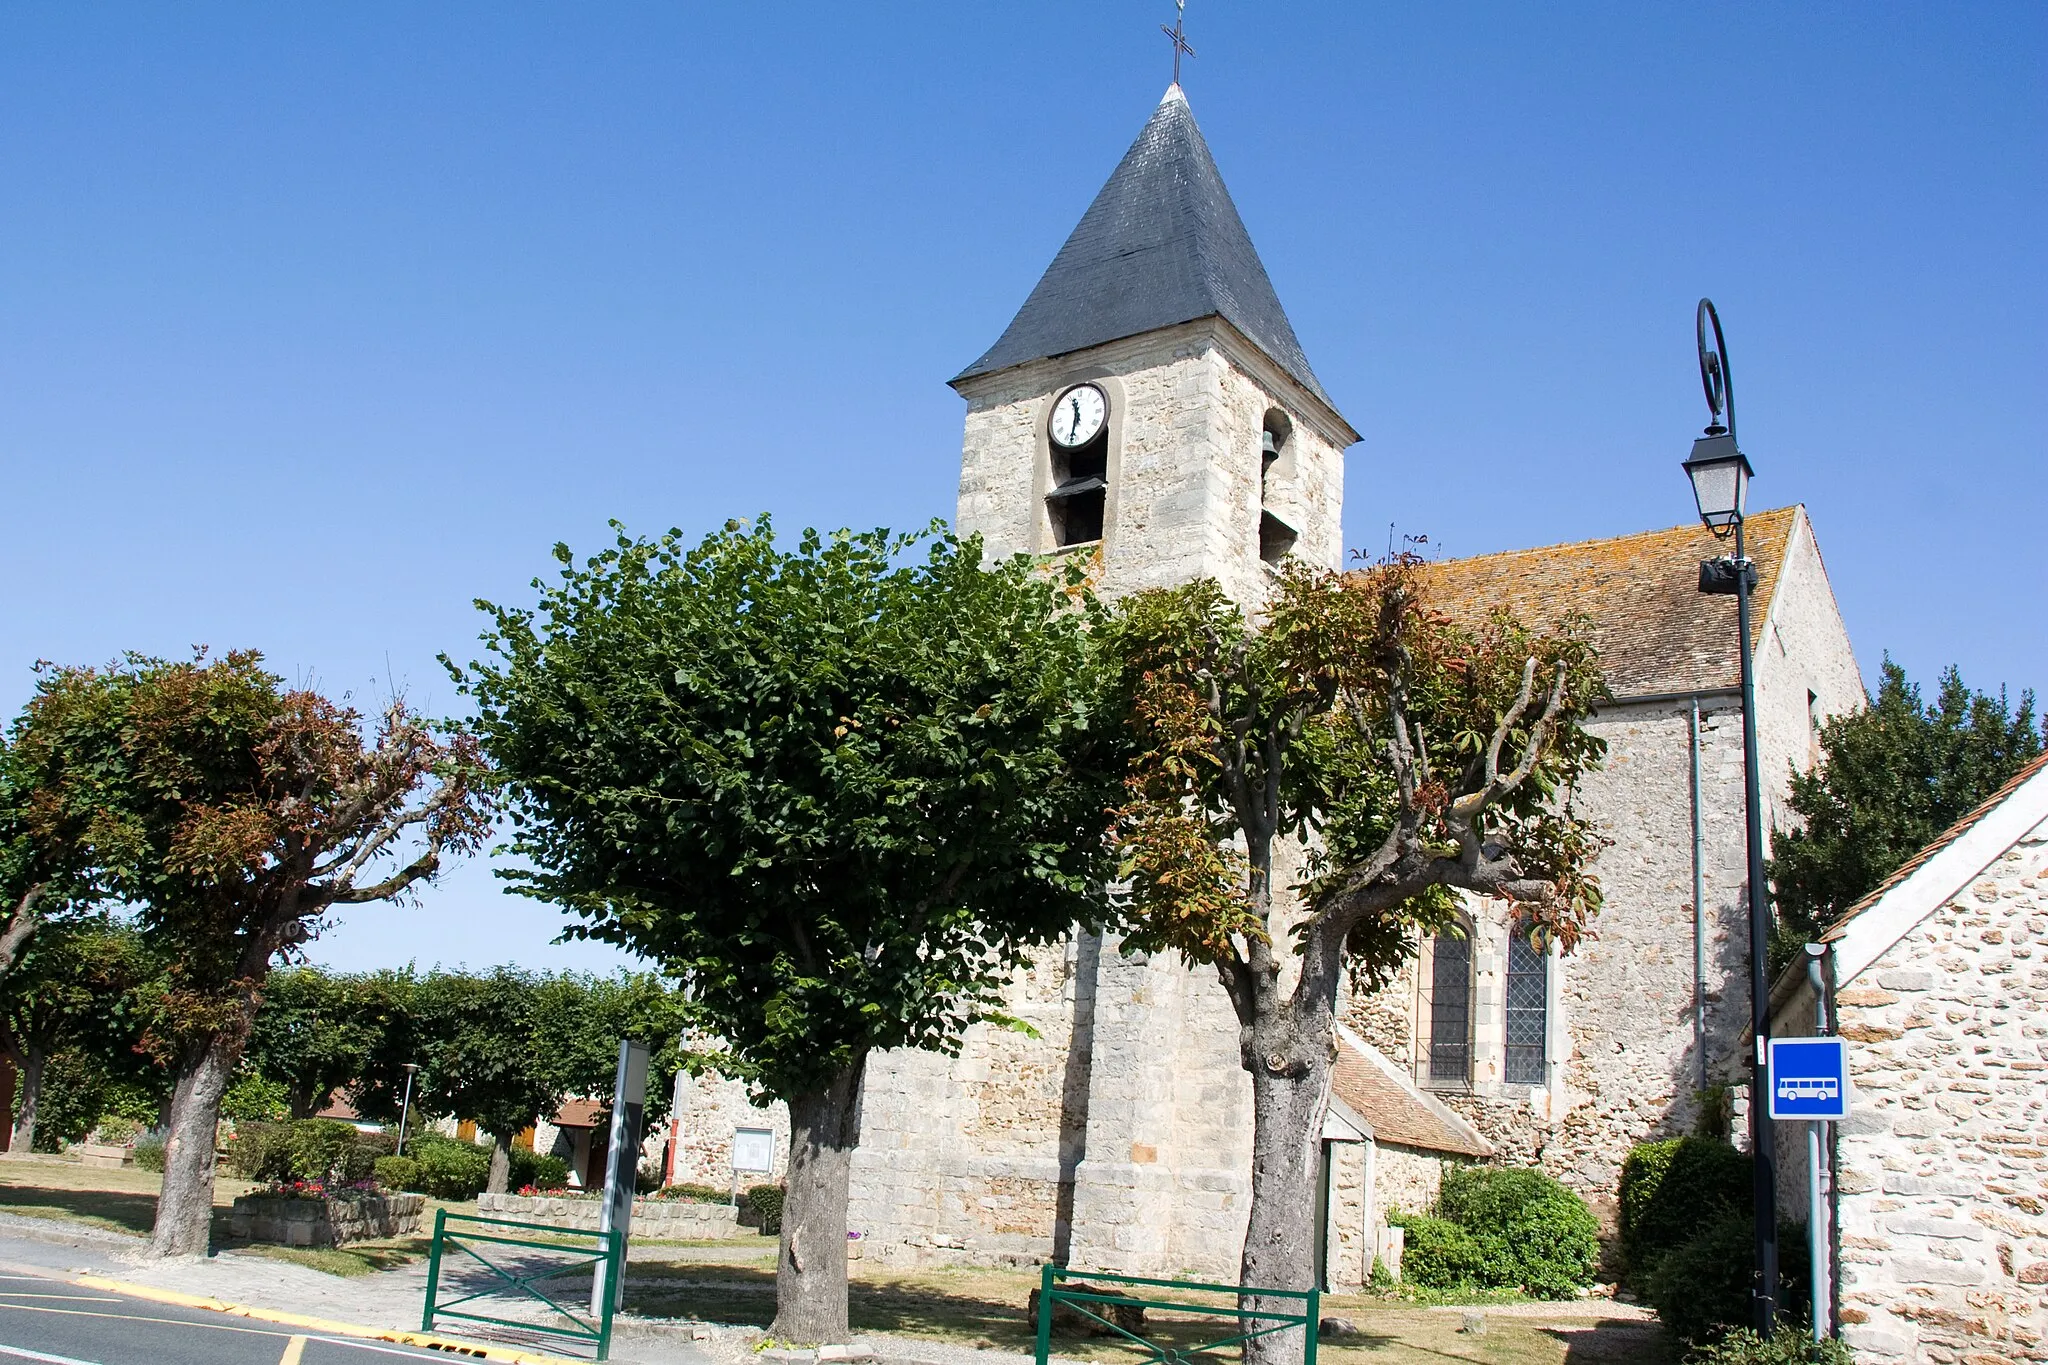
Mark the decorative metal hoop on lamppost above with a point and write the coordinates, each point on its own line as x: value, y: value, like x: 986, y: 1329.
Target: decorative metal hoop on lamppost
x: 1715, y: 376
x: 1720, y: 476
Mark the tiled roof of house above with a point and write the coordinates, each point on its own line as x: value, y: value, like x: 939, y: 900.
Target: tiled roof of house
x: 1374, y: 1089
x: 579, y: 1114
x: 1161, y: 244
x: 1656, y: 632
x: 1947, y: 837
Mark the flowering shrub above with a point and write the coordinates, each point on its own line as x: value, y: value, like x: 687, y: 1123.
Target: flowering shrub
x: 318, y: 1189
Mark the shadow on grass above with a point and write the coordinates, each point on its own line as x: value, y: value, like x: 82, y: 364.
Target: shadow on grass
x: 98, y: 1208
x: 916, y: 1307
x: 1613, y: 1341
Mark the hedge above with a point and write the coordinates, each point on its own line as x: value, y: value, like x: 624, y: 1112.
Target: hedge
x: 1495, y: 1228
x: 767, y: 1201
x: 1701, y: 1288
x: 1671, y: 1190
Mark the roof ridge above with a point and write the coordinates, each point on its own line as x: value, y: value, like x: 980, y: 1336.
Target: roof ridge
x: 1963, y: 825
x: 1689, y: 528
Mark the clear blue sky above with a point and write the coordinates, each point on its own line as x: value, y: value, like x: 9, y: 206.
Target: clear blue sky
x: 318, y: 322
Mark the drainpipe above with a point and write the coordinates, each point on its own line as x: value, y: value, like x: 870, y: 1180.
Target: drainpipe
x: 1699, y: 910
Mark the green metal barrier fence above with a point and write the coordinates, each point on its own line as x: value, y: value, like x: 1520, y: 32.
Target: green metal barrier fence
x: 578, y: 1250
x: 1254, y: 1323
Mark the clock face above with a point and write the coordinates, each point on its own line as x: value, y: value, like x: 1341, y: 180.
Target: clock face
x: 1077, y: 416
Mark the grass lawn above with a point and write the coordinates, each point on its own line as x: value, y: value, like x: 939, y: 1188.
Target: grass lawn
x: 985, y: 1308
x: 123, y: 1199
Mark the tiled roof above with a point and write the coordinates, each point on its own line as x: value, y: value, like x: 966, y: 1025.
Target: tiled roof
x: 1162, y: 244
x: 1655, y: 630
x: 1375, y: 1090
x: 1947, y: 837
x: 579, y: 1114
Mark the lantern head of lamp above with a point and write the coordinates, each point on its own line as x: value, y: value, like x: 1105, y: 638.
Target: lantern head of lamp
x: 1720, y: 480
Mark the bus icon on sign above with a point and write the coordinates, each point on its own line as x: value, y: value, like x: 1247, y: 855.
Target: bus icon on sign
x: 1809, y: 1078
x: 1808, y: 1088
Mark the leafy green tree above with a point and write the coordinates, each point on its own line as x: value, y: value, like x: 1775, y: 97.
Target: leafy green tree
x: 1892, y: 776
x: 580, y: 1019
x: 315, y: 1030
x: 40, y: 843
x: 837, y: 791
x: 1401, y: 759
x: 81, y: 985
x: 481, y: 1057
x: 235, y: 814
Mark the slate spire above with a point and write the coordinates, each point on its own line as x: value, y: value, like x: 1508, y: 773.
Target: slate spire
x: 1162, y: 244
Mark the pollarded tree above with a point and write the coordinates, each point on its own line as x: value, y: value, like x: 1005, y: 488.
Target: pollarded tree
x: 838, y: 792
x: 235, y: 814
x: 481, y: 1057
x: 316, y: 1030
x: 1404, y: 759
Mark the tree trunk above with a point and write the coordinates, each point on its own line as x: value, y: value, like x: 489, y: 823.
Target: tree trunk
x: 1290, y: 1069
x: 184, y: 1211
x: 31, y: 1091
x: 501, y: 1164
x: 810, y: 1275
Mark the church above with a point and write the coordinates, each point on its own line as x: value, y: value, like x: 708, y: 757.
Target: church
x: 1150, y: 402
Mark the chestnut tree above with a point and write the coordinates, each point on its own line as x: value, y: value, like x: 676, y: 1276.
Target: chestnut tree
x: 1403, y: 758
x: 836, y: 790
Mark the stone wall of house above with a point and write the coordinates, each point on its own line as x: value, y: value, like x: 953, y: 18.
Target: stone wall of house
x: 708, y: 1110
x: 1405, y: 1179
x: 1805, y: 670
x: 1348, y: 1230
x: 1944, y: 1168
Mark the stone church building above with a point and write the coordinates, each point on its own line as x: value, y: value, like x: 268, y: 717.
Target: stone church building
x: 1150, y: 400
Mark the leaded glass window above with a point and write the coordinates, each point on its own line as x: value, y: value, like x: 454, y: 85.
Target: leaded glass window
x: 1528, y: 1009
x: 1450, y: 1010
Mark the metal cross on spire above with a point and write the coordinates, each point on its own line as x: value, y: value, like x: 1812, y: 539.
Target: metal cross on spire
x: 1180, y: 41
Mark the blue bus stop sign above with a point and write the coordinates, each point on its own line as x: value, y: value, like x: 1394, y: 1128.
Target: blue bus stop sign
x: 1809, y: 1078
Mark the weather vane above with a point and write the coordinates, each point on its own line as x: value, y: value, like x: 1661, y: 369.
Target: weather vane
x: 1180, y: 41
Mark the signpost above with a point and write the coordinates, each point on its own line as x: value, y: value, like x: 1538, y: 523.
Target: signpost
x: 1810, y: 1081
x: 622, y: 1168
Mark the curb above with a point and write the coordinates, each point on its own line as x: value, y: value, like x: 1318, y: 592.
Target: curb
x: 504, y: 1354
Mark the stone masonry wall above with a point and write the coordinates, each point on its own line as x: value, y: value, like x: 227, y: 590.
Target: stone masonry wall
x: 1944, y: 1169
x: 1187, y: 406
x: 659, y: 1219
x: 707, y: 1111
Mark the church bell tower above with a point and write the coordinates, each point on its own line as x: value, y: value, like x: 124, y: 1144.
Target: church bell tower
x: 1150, y: 398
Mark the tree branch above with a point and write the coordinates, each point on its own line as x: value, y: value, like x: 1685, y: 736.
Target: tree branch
x: 21, y: 925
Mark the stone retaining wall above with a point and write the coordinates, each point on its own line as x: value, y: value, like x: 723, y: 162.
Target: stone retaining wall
x: 325, y: 1222
x: 662, y: 1219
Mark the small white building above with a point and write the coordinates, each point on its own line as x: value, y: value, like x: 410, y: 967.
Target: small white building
x: 1938, y: 1207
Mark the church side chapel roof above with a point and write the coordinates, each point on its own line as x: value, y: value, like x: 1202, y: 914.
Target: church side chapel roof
x: 1162, y: 244
x: 1656, y: 632
x: 1373, y: 1088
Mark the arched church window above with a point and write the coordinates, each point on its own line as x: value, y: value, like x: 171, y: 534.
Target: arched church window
x: 1450, y: 1010
x: 1276, y: 537
x: 1528, y: 1010
x: 1079, y: 428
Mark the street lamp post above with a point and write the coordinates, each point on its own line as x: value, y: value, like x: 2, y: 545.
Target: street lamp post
x: 1720, y: 476
x: 405, y: 1105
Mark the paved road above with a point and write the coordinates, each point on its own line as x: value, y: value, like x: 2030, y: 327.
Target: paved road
x: 48, y: 1319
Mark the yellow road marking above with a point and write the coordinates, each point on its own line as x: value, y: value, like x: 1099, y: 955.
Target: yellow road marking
x: 319, y: 1326
x: 293, y: 1350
